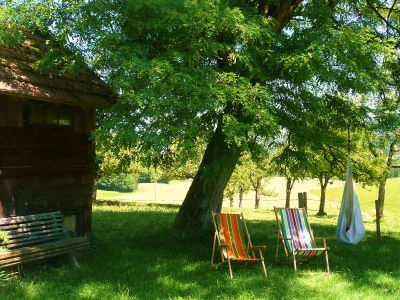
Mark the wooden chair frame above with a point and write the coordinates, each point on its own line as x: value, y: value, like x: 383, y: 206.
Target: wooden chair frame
x: 222, y: 246
x: 281, y: 237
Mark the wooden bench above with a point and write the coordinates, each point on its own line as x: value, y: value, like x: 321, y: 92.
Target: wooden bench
x: 36, y: 237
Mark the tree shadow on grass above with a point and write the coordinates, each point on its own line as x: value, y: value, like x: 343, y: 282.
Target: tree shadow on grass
x: 137, y: 256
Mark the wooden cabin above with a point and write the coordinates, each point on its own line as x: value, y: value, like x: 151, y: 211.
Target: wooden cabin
x: 46, y: 152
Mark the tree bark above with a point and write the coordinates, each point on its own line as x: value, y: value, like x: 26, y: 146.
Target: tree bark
x: 257, y: 188
x: 240, y: 198
x: 207, y: 189
x: 289, y: 186
x: 382, y: 182
x: 323, y: 180
x: 381, y: 194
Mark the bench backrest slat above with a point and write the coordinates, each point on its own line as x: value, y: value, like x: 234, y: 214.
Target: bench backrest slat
x: 16, y: 235
x: 23, y: 219
x: 32, y: 229
x: 21, y: 227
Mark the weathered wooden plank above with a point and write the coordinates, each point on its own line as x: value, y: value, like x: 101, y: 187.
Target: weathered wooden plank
x: 45, y: 250
x: 8, y: 172
x: 23, y: 157
x: 36, y: 240
x: 60, y: 182
x: 28, y: 90
x: 19, y: 219
x: 17, y: 235
x: 11, y: 111
x: 24, y: 227
x: 21, y: 227
x: 41, y: 255
x: 79, y: 190
x: 45, y: 138
x: 51, y: 245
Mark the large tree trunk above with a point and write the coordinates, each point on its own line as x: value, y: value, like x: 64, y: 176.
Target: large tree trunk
x: 207, y: 189
x: 206, y: 192
x: 289, y: 186
x: 323, y: 180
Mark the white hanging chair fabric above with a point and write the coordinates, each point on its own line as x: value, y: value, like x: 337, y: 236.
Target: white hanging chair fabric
x: 350, y: 228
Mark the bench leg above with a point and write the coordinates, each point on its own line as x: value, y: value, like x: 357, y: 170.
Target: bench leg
x: 21, y: 271
x: 72, y: 259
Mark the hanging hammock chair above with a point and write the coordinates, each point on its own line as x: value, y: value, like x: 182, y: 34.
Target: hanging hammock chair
x: 350, y: 228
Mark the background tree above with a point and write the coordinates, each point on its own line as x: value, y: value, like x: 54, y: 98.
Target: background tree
x: 289, y: 161
x: 386, y: 140
x: 239, y: 183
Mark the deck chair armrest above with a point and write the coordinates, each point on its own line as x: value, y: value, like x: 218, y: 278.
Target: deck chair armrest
x: 262, y: 248
x: 224, y: 245
x: 324, y: 241
x: 289, y: 239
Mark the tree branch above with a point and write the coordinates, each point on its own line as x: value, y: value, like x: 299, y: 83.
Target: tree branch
x: 391, y: 9
x: 379, y: 15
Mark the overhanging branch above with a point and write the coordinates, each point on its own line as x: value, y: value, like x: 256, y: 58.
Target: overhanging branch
x: 380, y: 16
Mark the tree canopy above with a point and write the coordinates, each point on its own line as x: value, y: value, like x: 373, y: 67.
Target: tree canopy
x: 227, y: 73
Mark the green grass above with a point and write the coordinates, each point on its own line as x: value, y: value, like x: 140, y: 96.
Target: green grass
x: 109, y: 195
x: 136, y: 257
x: 367, y: 196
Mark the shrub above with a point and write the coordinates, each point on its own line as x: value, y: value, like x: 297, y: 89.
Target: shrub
x: 119, y: 183
x: 147, y: 178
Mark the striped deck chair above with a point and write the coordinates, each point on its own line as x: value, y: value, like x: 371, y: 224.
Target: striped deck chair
x: 234, y: 242
x: 296, y: 235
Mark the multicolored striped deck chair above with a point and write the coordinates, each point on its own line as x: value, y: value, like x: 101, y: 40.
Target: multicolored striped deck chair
x: 234, y: 242
x: 296, y: 235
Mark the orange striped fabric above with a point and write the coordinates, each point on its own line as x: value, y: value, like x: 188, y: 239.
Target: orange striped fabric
x: 231, y: 233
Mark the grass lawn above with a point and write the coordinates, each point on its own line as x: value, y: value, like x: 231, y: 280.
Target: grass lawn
x: 367, y: 196
x: 135, y: 256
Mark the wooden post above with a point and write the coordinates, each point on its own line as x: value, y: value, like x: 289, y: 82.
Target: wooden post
x: 305, y: 200
x: 378, y: 220
x: 301, y: 199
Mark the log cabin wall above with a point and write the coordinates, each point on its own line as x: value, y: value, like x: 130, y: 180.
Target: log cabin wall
x: 46, y: 160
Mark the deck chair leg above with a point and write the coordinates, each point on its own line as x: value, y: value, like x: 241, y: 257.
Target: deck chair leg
x: 277, y: 247
x: 264, y: 268
x: 230, y: 268
x: 263, y: 264
x: 213, y: 250
x: 294, y: 256
x: 326, y: 256
x: 327, y: 262
x: 294, y: 262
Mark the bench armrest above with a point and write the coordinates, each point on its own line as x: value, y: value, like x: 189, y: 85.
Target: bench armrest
x: 259, y: 248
